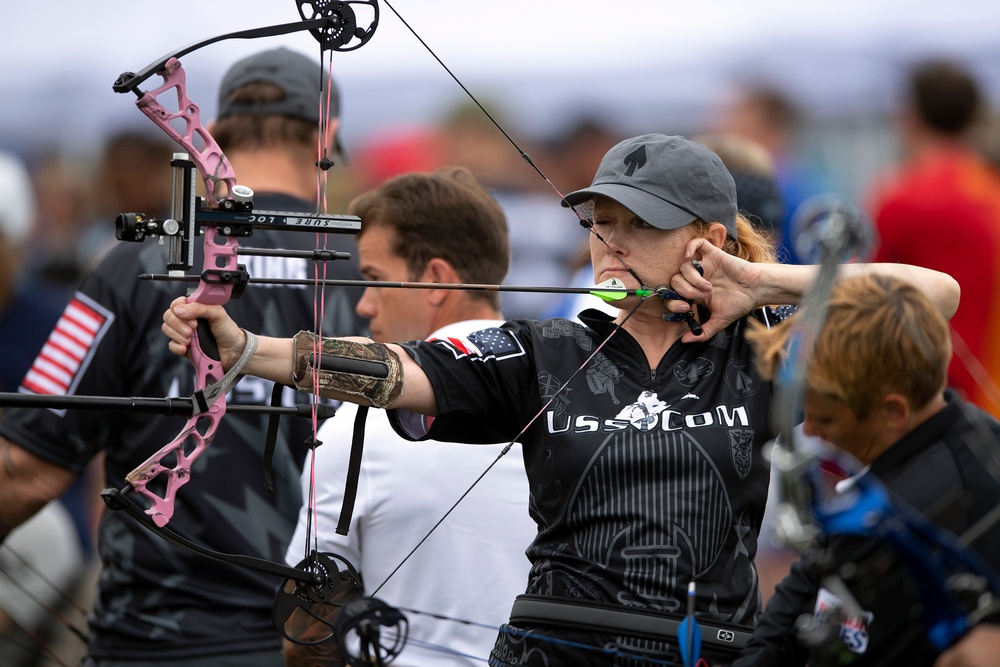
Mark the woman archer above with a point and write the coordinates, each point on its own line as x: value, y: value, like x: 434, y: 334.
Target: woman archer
x: 628, y: 514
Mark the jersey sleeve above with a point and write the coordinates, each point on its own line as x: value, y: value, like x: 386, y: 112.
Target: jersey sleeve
x: 484, y: 384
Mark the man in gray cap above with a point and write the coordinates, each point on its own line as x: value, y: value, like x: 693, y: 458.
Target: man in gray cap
x: 156, y: 604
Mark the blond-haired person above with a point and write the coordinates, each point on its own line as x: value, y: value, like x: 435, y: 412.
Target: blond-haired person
x: 876, y: 389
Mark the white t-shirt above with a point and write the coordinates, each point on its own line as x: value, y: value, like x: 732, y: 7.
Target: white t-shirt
x: 471, y: 567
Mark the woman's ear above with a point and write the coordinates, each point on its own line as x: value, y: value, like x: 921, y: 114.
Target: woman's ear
x: 716, y: 234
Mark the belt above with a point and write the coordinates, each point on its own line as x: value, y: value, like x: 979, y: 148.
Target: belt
x: 601, y: 617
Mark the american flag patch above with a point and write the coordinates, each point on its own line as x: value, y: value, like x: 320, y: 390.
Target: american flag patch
x: 69, y: 348
x: 493, y: 343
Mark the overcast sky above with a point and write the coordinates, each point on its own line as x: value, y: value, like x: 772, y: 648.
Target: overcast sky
x: 478, y: 35
x: 538, y: 54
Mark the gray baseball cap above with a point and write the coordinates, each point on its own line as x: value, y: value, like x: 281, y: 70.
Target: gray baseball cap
x: 668, y: 181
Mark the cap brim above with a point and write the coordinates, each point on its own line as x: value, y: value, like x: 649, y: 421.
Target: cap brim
x: 651, y: 209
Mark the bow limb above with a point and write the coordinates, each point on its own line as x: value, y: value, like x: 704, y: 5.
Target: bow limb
x: 212, y: 164
x: 832, y: 226
x: 222, y: 274
x: 327, y: 23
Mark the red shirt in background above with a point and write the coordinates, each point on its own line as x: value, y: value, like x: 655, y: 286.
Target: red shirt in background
x: 943, y: 212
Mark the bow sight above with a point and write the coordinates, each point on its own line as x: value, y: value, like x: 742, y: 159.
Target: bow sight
x: 232, y: 217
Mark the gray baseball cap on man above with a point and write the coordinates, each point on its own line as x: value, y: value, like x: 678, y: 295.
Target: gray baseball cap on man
x: 668, y: 181
x: 296, y: 75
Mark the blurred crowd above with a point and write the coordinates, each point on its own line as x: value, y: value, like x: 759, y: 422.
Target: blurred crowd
x: 938, y: 205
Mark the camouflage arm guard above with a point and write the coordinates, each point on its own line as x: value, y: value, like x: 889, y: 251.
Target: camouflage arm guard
x: 368, y: 370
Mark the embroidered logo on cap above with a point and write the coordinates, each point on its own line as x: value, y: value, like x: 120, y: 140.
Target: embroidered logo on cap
x: 635, y: 160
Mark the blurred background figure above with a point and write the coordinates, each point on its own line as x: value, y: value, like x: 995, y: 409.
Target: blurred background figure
x: 393, y: 153
x: 542, y: 232
x: 941, y: 209
x: 769, y: 117
x: 28, y: 307
x: 753, y: 170
x: 78, y: 200
x: 63, y: 192
x: 132, y: 176
x: 575, y: 153
x: 41, y: 561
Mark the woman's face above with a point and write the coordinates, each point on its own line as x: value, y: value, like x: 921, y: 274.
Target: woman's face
x: 654, y: 254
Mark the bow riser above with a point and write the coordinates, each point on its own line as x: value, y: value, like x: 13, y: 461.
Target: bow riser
x: 200, y: 428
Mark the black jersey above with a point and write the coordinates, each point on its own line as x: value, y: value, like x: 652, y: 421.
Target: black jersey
x: 935, y: 469
x: 641, y: 479
x: 155, y: 601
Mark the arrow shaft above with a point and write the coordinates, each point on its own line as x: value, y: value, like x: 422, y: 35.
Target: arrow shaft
x: 472, y: 287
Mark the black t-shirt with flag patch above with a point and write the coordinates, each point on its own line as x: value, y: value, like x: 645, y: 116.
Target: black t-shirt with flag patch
x: 641, y: 479
x: 155, y: 601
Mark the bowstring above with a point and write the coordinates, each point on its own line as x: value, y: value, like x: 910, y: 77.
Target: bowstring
x: 975, y: 368
x: 324, y: 136
x: 37, y: 640
x: 42, y: 642
x: 49, y: 609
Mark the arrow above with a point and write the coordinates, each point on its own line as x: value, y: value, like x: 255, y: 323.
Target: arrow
x: 609, y: 290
